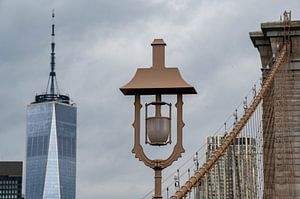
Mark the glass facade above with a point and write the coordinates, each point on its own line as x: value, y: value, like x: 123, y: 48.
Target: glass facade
x: 51, y: 151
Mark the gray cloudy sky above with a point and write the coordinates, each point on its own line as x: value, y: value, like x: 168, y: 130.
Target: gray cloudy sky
x: 99, y: 45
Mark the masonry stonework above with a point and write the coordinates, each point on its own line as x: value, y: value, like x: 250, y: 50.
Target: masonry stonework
x: 281, y: 111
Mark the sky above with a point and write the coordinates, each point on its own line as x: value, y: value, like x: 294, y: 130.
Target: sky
x: 99, y: 45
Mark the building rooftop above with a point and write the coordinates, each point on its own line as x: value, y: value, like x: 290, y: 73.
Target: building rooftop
x: 11, y: 168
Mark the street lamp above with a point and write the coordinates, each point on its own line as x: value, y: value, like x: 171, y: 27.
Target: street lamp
x: 157, y: 81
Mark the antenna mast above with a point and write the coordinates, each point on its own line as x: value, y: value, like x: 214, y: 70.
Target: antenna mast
x: 52, y: 63
x: 52, y: 90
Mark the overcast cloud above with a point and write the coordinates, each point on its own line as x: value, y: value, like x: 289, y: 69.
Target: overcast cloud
x: 99, y: 46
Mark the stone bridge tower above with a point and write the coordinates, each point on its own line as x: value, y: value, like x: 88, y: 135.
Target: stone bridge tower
x: 281, y: 108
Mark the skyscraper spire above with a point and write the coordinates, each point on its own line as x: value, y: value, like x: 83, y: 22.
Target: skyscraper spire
x: 52, y: 63
x: 52, y: 76
x: 52, y: 90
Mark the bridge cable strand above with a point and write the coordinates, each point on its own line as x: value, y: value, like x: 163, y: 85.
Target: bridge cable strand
x: 256, y: 127
x: 241, y: 126
x: 231, y: 119
x: 194, y: 165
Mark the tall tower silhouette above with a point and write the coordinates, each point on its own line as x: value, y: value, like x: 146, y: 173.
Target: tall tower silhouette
x: 51, y: 141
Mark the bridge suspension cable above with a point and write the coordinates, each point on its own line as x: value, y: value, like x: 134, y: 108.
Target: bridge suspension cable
x: 192, y: 163
x: 238, y: 127
x: 259, y: 128
x: 254, y: 130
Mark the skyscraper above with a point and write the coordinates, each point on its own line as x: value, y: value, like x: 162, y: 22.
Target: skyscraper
x: 51, y: 142
x: 234, y: 175
x: 10, y: 179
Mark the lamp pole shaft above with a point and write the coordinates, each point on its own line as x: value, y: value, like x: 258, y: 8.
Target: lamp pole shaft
x: 157, y: 183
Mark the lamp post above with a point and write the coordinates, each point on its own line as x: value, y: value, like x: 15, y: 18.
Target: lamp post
x: 157, y: 81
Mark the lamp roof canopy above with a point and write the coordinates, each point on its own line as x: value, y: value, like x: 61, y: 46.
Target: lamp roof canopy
x: 157, y: 79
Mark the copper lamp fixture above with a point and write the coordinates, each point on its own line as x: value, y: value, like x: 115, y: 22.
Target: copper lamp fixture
x: 157, y: 80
